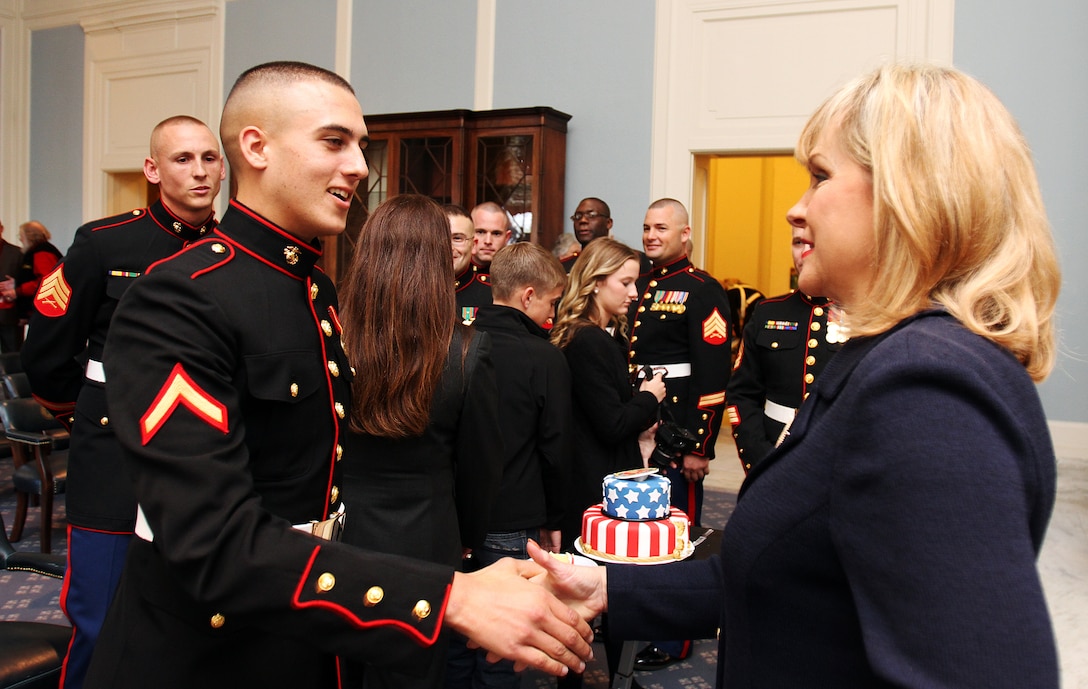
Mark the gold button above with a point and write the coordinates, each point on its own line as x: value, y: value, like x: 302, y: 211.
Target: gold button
x: 339, y: 410
x: 746, y: 466
x: 646, y: 296
x: 339, y: 452
x: 675, y: 400
x: 698, y: 445
x: 294, y: 389
x: 634, y: 339
x: 664, y: 271
x: 334, y: 495
x: 334, y: 369
x: 704, y: 417
x: 818, y: 311
x: 813, y: 343
x: 218, y: 248
x: 313, y: 292
x: 136, y: 212
x: 810, y: 360
x: 774, y: 345
x: 701, y: 431
x: 325, y: 582
x: 638, y: 323
x: 809, y: 378
x: 104, y: 421
x: 661, y: 317
x: 815, y: 326
x: 642, y: 309
x: 374, y: 595
x: 653, y: 283
x: 218, y: 621
x: 326, y: 328
x: 422, y: 610
x: 352, y: 369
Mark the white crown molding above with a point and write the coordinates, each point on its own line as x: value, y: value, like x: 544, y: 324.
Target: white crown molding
x: 102, y: 14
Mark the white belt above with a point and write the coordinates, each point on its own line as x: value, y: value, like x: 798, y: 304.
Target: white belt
x: 671, y: 370
x: 779, y: 412
x: 95, y: 371
x: 143, y: 529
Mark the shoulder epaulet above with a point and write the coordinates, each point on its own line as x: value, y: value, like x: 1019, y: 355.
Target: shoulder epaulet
x: 200, y: 258
x: 116, y: 220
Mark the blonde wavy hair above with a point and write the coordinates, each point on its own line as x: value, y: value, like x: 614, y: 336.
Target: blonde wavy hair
x: 578, y: 307
x: 958, y: 216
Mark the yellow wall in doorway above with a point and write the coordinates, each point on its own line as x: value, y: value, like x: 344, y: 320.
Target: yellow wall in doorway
x: 748, y: 237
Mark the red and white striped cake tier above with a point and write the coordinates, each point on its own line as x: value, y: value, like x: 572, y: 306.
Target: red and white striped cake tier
x: 634, y: 541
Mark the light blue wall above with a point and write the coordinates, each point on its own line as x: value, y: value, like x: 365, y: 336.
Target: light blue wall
x: 414, y: 55
x: 56, y: 133
x: 1035, y: 58
x: 264, y: 30
x: 593, y: 61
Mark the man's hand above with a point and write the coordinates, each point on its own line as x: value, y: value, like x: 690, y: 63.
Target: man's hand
x: 695, y: 468
x: 498, y: 609
x: 551, y: 540
x: 584, y: 589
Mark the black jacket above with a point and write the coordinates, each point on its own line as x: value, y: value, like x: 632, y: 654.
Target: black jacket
x: 534, y: 417
x: 608, y: 417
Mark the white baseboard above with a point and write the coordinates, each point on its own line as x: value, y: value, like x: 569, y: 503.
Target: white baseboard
x: 1070, y: 439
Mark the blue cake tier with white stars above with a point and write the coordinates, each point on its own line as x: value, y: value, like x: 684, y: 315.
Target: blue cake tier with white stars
x: 636, y: 495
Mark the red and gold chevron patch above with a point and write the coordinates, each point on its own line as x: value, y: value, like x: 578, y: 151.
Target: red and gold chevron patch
x: 715, y: 329
x: 54, y: 293
x: 181, y: 389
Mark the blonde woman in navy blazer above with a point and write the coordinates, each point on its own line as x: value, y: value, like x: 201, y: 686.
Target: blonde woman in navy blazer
x: 891, y: 540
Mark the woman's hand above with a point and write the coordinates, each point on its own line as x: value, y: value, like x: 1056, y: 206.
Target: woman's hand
x: 584, y: 589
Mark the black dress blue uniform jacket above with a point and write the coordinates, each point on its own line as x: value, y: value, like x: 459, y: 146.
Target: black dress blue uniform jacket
x: 231, y: 428
x: 890, y: 541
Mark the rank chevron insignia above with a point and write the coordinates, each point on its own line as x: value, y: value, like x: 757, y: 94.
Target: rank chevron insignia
x: 180, y: 389
x: 715, y: 329
x: 54, y: 293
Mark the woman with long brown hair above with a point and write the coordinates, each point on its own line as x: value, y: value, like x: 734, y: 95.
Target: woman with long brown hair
x: 423, y: 462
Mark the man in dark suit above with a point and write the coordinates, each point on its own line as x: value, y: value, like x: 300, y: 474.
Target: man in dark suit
x: 592, y: 218
x: 11, y: 332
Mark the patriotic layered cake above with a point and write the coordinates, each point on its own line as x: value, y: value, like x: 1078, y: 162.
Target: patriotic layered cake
x: 635, y: 522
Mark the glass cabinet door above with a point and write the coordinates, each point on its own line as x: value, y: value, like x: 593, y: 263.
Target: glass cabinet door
x: 504, y: 175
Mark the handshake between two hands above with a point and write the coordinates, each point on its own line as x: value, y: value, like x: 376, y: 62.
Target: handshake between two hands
x: 534, y: 612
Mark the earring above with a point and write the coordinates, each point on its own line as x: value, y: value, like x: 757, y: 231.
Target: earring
x: 596, y: 289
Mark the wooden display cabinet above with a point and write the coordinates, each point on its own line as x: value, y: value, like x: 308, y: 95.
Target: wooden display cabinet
x: 516, y: 158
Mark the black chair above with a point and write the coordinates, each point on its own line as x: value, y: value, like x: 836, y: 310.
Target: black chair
x: 16, y: 385
x: 39, y: 471
x: 31, y: 653
x: 11, y: 362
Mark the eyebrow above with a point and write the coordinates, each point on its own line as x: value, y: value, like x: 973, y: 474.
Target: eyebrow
x: 346, y: 131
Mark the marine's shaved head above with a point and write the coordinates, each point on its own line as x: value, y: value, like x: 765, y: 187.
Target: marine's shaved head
x: 254, y: 100
x: 157, y: 132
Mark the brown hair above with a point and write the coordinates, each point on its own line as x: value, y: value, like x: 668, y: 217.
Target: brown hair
x: 398, y: 315
x: 523, y: 264
x: 958, y: 219
x: 578, y: 308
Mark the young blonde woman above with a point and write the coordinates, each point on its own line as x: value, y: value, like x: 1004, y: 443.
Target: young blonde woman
x: 891, y: 539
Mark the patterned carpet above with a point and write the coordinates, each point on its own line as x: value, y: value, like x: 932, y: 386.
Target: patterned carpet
x: 23, y: 596
x: 36, y: 598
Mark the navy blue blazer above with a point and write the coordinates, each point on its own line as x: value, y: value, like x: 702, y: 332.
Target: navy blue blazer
x: 891, y: 540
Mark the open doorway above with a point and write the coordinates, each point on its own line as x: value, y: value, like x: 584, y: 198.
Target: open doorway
x: 128, y: 190
x: 747, y: 236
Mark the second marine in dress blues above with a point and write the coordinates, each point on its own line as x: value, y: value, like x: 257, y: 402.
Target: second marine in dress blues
x: 787, y: 343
